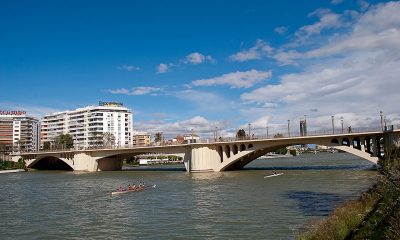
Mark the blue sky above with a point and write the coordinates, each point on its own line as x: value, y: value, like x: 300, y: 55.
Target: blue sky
x: 183, y: 65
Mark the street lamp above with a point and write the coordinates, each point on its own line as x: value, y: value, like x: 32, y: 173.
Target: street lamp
x: 288, y: 127
x: 305, y: 125
x: 216, y: 133
x: 381, y: 113
x: 333, y: 124
x: 249, y: 130
x: 341, y: 120
x: 267, y: 132
x: 384, y: 120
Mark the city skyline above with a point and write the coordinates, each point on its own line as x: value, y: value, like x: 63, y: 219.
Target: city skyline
x: 182, y: 66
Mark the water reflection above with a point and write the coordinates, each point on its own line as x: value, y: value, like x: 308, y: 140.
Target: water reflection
x: 315, y: 203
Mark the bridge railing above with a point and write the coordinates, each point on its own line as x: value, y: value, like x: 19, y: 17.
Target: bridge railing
x: 272, y: 135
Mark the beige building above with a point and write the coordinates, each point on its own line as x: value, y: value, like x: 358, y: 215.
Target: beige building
x: 141, y: 139
x: 18, y: 132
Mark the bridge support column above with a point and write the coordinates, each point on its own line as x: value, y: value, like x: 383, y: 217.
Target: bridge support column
x: 84, y: 162
x: 203, y: 159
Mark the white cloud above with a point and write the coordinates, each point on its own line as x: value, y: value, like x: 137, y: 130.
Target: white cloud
x: 327, y: 20
x: 136, y: 91
x: 376, y: 30
x: 236, y: 79
x: 200, y: 125
x: 128, y: 68
x: 353, y: 75
x: 197, y: 58
x: 260, y: 49
x: 281, y: 30
x: 164, y: 68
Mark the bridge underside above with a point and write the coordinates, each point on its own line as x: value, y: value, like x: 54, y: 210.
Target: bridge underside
x: 50, y: 163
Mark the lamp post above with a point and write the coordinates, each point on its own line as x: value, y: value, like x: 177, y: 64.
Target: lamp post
x: 288, y: 127
x: 267, y: 132
x: 216, y: 133
x: 333, y: 124
x: 381, y: 113
x: 305, y: 125
x: 249, y: 130
x: 192, y: 135
x: 341, y: 120
x: 384, y: 120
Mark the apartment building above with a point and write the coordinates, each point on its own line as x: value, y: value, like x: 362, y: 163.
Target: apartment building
x: 18, y: 132
x: 109, y: 124
x: 141, y: 139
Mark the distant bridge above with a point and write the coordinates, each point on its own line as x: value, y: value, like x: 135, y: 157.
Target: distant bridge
x: 205, y: 157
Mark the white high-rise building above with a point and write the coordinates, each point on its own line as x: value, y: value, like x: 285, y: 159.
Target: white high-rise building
x: 109, y: 124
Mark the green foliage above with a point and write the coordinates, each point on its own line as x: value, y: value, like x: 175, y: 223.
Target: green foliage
x: 293, y: 152
x: 64, y: 141
x: 8, y: 165
x: 281, y: 151
x: 46, y: 145
x: 158, y: 137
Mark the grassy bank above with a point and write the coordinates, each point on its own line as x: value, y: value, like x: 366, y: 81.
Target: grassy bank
x: 374, y: 215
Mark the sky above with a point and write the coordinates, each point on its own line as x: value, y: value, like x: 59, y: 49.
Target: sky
x: 202, y: 65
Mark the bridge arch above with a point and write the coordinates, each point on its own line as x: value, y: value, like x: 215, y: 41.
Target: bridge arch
x: 242, y: 147
x: 228, y: 151
x: 235, y: 149
x: 258, y: 149
x: 345, y: 142
x: 50, y: 163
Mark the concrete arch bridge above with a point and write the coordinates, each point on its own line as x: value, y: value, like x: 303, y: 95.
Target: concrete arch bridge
x: 206, y: 157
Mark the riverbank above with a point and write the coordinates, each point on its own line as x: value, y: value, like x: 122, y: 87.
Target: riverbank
x: 374, y: 215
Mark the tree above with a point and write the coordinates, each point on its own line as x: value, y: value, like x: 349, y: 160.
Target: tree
x: 241, y: 134
x: 158, y: 137
x: 64, y: 141
x: 46, y: 145
x: 108, y: 139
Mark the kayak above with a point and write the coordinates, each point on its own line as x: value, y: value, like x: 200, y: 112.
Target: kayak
x: 273, y: 175
x: 137, y: 189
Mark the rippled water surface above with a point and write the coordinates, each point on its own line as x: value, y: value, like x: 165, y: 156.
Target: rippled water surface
x: 228, y: 205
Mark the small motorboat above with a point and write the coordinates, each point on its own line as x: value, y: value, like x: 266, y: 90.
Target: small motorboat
x: 136, y: 189
x: 273, y: 175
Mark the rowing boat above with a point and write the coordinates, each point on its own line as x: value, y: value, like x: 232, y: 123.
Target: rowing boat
x: 273, y: 175
x: 137, y: 189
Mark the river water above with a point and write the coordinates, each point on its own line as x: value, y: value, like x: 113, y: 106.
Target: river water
x: 227, y: 205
